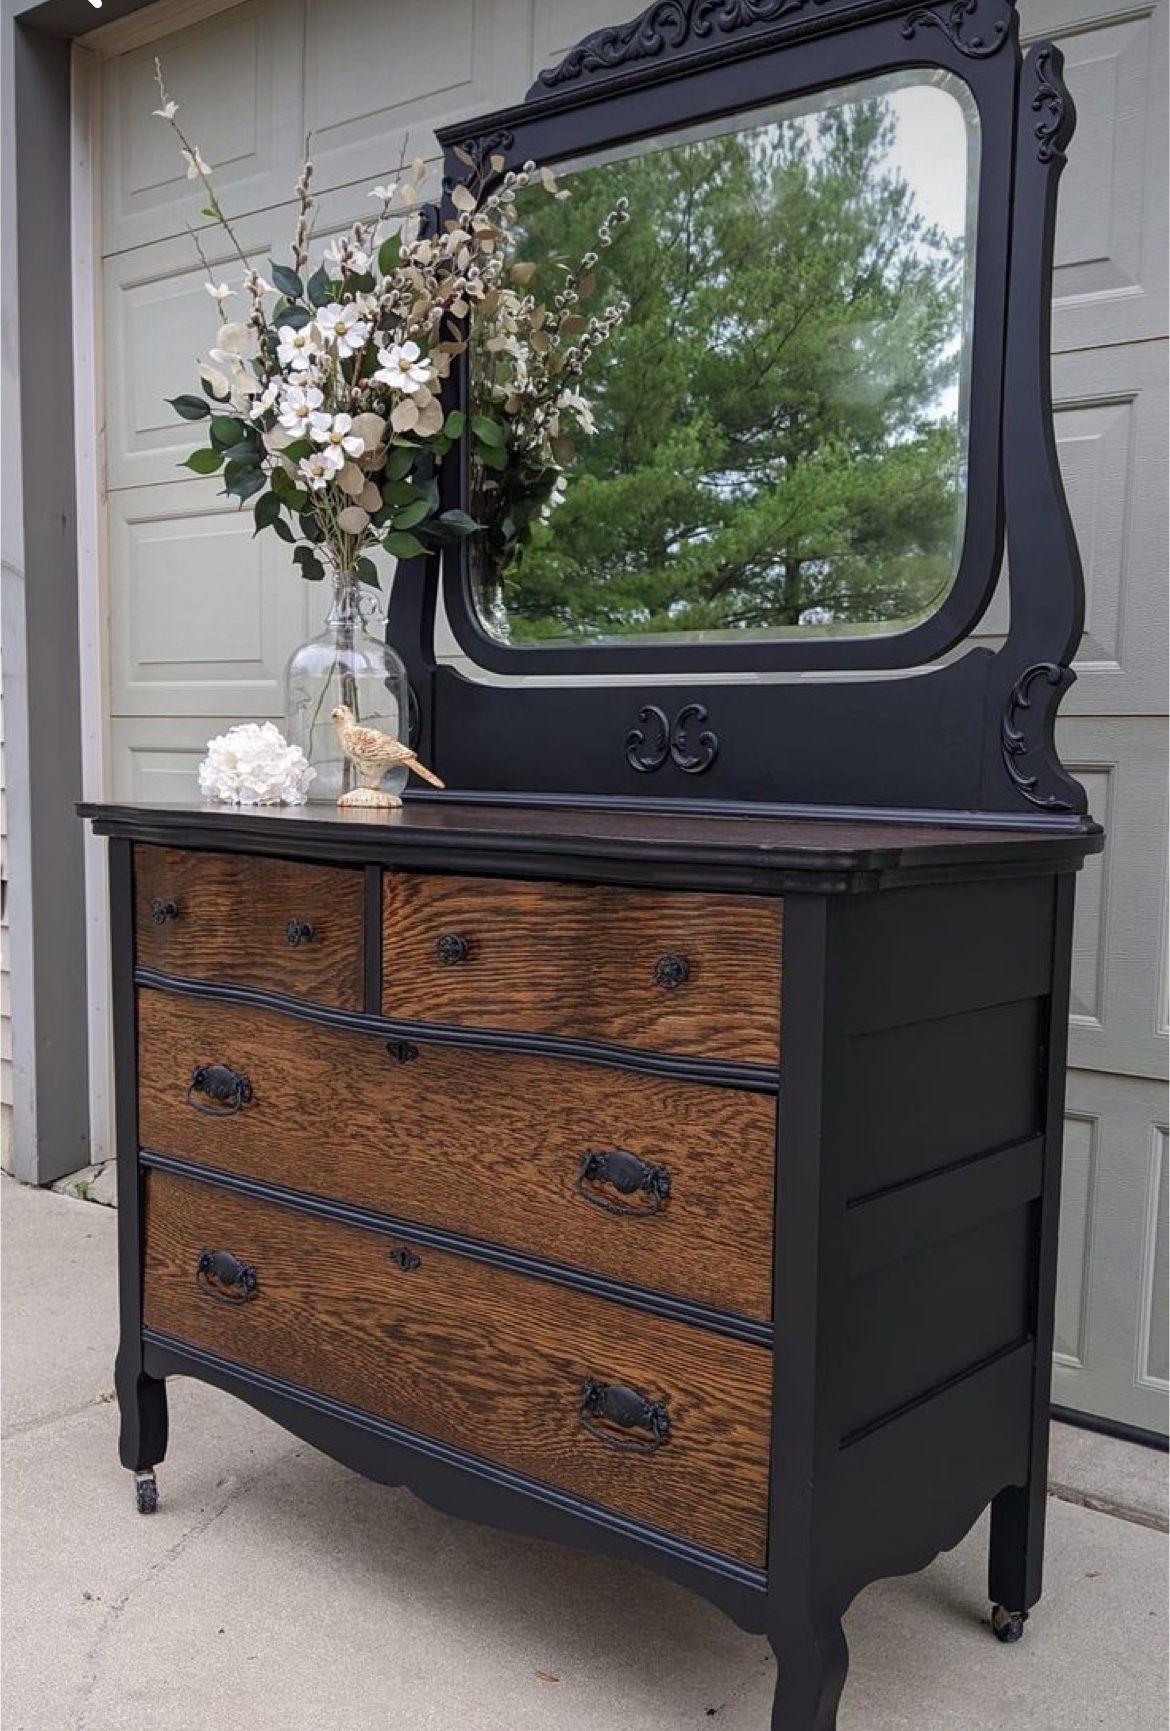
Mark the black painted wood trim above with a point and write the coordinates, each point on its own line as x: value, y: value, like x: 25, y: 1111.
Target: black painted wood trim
x: 747, y: 1078
x: 706, y: 1317
x: 465, y: 1485
x: 911, y: 1216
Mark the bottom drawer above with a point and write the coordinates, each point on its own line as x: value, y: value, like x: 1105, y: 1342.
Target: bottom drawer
x: 516, y: 1370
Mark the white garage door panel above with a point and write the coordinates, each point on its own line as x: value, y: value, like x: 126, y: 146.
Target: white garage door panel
x: 1112, y: 440
x: 203, y: 615
x: 1118, y: 990
x: 1111, y: 235
x: 237, y: 79
x: 1111, y: 1298
x: 379, y: 78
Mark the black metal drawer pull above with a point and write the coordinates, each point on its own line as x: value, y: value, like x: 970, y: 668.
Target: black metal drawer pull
x: 222, y: 1276
x: 671, y: 971
x: 228, y: 1089
x: 402, y: 1051
x: 451, y: 949
x: 299, y: 932
x: 161, y: 911
x: 629, y: 1176
x: 405, y: 1259
x: 629, y: 1410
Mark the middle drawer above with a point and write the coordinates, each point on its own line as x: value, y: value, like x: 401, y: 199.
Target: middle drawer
x: 665, y: 1184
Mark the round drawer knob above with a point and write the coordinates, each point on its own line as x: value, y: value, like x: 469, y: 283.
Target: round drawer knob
x: 162, y: 911
x: 671, y: 971
x: 452, y: 949
x: 299, y: 932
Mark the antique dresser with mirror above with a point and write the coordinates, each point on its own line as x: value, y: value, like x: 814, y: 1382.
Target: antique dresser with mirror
x: 653, y: 1142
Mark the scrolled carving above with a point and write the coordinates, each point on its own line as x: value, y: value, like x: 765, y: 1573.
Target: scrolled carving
x: 1051, y: 102
x: 977, y: 28
x: 1022, y: 727
x: 657, y: 738
x: 480, y: 147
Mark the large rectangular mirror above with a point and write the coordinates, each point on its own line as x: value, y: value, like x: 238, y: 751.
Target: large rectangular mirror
x: 772, y: 442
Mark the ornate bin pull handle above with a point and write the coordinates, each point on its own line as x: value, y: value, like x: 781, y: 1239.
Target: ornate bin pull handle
x: 452, y: 949
x: 230, y: 1089
x: 161, y: 911
x: 299, y: 932
x: 671, y: 972
x: 222, y: 1276
x: 629, y: 1176
x: 629, y: 1410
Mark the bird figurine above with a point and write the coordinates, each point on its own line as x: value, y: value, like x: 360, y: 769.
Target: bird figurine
x: 372, y: 754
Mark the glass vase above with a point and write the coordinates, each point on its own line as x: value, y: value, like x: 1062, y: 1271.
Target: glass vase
x: 348, y: 666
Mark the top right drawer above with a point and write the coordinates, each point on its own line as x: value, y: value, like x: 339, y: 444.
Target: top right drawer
x: 663, y: 970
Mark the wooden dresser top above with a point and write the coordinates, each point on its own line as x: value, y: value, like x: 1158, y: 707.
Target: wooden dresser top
x: 614, y: 844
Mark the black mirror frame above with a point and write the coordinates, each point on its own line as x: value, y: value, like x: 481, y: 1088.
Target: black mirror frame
x: 972, y: 737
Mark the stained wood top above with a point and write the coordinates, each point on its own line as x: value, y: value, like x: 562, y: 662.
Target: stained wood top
x: 614, y: 843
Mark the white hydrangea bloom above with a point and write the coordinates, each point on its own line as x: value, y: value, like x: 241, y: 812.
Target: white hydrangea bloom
x: 254, y: 764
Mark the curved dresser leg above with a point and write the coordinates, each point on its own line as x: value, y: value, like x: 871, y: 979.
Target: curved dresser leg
x: 142, y: 1405
x: 813, y: 1662
x: 1016, y: 1568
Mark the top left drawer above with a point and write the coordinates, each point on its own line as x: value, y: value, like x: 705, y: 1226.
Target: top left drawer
x: 276, y: 925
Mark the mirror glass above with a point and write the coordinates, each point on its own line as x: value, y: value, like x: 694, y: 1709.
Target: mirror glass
x: 771, y: 440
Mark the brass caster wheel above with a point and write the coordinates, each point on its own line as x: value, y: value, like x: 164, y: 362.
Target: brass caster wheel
x: 145, y: 1493
x: 1007, y: 1626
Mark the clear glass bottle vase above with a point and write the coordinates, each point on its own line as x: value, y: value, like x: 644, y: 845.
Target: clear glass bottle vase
x: 346, y: 665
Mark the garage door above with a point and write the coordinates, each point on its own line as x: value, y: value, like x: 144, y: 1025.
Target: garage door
x: 202, y: 618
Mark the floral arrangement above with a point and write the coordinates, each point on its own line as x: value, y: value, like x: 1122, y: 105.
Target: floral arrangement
x: 254, y: 764
x: 322, y: 402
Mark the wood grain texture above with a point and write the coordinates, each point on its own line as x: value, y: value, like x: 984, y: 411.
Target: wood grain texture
x: 233, y: 915
x: 485, y: 1360
x: 579, y: 959
x: 485, y: 1143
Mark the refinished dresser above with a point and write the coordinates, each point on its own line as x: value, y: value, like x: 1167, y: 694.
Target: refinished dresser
x: 680, y: 1187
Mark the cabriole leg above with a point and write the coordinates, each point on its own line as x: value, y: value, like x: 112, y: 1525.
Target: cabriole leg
x: 813, y: 1663
x: 142, y: 1443
x: 1016, y: 1571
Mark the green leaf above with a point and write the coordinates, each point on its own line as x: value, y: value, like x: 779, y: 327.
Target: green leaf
x: 460, y: 522
x: 266, y: 511
x: 491, y: 459
x: 401, y: 461
x: 244, y: 483
x: 454, y: 424
x: 367, y: 572
x: 361, y: 282
x: 203, y: 461
x: 296, y: 498
x: 398, y: 493
x: 410, y: 515
x: 286, y: 280
x: 298, y: 449
x: 322, y: 289
x: 283, y: 530
x: 311, y: 567
x: 389, y: 254
x: 296, y: 318
x: 403, y: 546
x: 310, y: 528
x: 227, y: 430
x: 247, y: 451
x: 190, y: 408
x: 488, y: 432
x: 235, y: 467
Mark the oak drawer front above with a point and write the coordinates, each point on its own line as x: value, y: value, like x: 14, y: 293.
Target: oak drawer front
x: 490, y: 1144
x: 277, y: 925
x: 697, y: 975
x: 487, y: 1361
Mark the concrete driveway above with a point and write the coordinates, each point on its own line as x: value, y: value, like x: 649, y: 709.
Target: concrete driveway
x: 275, y: 1591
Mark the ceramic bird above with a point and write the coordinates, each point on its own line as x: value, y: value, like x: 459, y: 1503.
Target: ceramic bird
x: 372, y: 754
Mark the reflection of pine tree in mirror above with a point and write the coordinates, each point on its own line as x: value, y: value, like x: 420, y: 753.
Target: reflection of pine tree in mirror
x: 779, y: 443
